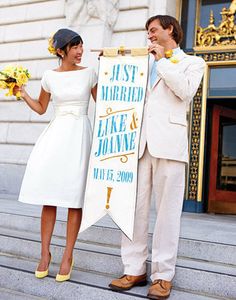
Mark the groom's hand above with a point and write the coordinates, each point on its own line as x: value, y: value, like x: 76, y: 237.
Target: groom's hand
x: 100, y: 54
x: 157, y: 50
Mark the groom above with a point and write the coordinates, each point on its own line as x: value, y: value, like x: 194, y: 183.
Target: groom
x: 174, y: 79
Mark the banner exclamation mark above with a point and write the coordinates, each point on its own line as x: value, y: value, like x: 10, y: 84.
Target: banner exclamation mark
x: 109, y: 189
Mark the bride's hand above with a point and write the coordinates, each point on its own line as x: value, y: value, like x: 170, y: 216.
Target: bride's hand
x: 18, y: 89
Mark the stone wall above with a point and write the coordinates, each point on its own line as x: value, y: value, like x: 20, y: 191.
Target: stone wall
x: 24, y: 29
x: 25, y: 26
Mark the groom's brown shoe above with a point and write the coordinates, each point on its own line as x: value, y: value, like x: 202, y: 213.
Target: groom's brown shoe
x: 126, y: 282
x: 160, y: 289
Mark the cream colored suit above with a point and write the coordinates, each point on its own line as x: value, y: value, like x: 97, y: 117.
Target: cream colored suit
x: 163, y: 153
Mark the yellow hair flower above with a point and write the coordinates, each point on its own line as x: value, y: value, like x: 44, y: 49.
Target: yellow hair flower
x: 51, y: 48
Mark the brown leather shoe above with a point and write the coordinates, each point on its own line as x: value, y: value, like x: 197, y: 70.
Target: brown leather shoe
x: 126, y: 282
x: 160, y: 289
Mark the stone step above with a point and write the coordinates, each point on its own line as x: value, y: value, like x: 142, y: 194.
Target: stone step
x: 106, y: 233
x: 15, y: 295
x: 17, y: 274
x: 202, y: 227
x: 196, y: 276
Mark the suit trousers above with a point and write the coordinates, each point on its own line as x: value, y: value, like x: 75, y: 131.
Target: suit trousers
x: 166, y: 180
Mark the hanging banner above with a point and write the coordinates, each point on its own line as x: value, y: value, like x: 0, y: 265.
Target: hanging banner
x: 112, y: 173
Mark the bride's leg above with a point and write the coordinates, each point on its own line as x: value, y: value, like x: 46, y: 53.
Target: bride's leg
x: 48, y: 219
x: 73, y: 226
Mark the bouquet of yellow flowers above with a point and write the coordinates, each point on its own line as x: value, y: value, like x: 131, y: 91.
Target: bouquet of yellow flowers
x: 11, y: 76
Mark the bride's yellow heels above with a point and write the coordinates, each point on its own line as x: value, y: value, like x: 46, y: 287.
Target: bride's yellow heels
x: 61, y: 278
x: 42, y: 274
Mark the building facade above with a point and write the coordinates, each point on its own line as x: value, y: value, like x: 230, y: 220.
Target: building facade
x: 210, y: 32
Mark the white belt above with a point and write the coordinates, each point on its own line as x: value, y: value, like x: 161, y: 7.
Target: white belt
x: 74, y: 110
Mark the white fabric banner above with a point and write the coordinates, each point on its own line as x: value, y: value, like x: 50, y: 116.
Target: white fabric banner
x: 112, y: 173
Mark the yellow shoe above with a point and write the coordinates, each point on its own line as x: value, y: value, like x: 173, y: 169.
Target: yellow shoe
x: 61, y: 278
x: 42, y: 274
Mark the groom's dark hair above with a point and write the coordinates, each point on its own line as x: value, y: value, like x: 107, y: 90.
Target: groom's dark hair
x: 166, y: 22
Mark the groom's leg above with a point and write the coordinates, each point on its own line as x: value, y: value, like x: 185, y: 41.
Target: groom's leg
x: 169, y: 181
x: 134, y: 253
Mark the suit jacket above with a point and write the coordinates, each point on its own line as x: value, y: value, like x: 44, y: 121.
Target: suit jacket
x: 164, y: 126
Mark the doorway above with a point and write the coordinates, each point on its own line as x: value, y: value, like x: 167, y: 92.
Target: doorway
x: 222, y: 160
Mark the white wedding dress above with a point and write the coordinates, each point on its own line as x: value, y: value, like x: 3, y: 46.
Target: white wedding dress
x: 57, y: 168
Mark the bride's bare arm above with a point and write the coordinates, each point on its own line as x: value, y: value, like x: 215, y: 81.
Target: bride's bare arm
x: 40, y: 105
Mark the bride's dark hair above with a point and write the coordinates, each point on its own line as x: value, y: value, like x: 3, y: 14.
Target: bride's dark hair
x: 74, y: 42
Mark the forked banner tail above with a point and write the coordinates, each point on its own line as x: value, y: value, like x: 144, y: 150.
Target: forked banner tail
x: 112, y: 173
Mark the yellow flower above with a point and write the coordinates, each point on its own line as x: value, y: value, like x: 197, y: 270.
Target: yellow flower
x: 21, y: 79
x: 174, y: 60
x: 9, y: 71
x: 11, y: 87
x: 18, y: 95
x: 168, y: 53
x: 3, y: 85
x: 51, y: 48
x: 11, y: 76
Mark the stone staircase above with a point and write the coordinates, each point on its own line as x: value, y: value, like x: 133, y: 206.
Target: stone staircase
x: 206, y: 266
